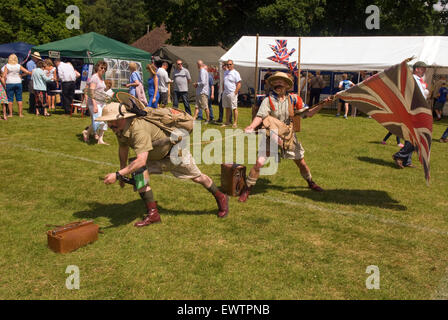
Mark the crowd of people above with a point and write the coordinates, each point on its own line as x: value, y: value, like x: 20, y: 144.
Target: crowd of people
x: 43, y: 79
x: 46, y: 77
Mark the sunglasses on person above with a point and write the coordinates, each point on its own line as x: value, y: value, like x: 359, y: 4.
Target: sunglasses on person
x: 229, y: 64
x: 179, y: 64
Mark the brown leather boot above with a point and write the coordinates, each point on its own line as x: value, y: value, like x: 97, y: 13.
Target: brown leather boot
x: 223, y: 204
x: 244, y: 194
x: 152, y: 217
x: 313, y: 186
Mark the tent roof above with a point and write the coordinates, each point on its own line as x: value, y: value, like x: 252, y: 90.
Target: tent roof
x: 210, y: 55
x: 98, y: 45
x: 21, y: 49
x: 343, y: 53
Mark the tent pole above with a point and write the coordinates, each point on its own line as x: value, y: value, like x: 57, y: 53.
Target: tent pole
x: 298, y: 68
x: 296, y: 119
x: 306, y: 87
x: 256, y: 79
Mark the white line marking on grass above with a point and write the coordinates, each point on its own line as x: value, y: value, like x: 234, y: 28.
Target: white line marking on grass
x: 287, y: 202
x: 59, y: 154
x: 354, y: 214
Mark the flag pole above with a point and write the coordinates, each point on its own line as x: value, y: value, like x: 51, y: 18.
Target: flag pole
x: 254, y: 111
x: 296, y: 119
x: 298, y: 68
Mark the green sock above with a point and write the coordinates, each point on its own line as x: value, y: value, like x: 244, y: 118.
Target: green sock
x: 147, y: 196
x: 213, y: 189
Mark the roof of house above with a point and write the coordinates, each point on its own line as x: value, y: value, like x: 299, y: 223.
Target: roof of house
x: 153, y: 40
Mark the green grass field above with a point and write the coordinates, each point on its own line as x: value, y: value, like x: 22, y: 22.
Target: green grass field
x: 286, y: 242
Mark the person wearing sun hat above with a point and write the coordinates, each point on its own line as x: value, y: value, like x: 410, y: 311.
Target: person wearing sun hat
x: 277, y: 105
x: 152, y: 146
x: 30, y: 66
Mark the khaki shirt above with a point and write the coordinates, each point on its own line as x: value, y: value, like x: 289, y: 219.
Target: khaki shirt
x: 281, y: 109
x: 139, y: 134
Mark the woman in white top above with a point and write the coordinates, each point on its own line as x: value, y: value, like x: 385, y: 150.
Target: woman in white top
x: 12, y: 82
x: 96, y: 83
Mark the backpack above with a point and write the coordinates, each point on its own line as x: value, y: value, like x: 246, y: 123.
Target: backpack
x: 170, y: 120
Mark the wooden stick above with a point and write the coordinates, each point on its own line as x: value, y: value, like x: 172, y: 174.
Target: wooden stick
x: 256, y: 68
x: 298, y: 68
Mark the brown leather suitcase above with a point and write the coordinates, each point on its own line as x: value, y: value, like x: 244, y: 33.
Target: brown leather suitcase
x: 233, y: 178
x: 72, y: 236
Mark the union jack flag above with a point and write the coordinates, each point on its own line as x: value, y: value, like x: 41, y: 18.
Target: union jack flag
x: 394, y: 99
x: 281, y: 54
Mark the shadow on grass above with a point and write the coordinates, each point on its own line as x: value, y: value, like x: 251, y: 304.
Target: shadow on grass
x: 375, y: 142
x: 120, y: 214
x: 379, y: 162
x: 371, y: 198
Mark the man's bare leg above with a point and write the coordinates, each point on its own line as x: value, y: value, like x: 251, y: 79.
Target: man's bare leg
x: 252, y: 178
x: 306, y: 174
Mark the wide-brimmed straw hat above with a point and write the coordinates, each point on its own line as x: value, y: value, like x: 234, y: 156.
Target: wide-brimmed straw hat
x: 281, y: 76
x: 36, y: 55
x: 115, y: 111
x: 126, y: 98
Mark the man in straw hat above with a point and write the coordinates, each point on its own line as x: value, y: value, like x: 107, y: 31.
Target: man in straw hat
x: 152, y: 146
x: 30, y: 66
x: 277, y: 105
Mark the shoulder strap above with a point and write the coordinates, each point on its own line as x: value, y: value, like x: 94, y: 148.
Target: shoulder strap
x: 290, y: 106
x: 271, y: 103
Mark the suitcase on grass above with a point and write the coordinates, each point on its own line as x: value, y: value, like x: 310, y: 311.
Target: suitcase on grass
x: 233, y: 178
x: 72, y: 236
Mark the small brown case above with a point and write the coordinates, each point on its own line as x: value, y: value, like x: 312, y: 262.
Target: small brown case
x: 72, y: 236
x: 233, y: 178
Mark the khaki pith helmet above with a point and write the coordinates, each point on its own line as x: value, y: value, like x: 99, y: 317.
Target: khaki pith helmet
x: 112, y: 112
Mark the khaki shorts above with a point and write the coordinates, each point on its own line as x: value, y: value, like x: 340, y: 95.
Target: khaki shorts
x: 297, y: 154
x: 202, y: 101
x: 230, y: 100
x: 185, y: 170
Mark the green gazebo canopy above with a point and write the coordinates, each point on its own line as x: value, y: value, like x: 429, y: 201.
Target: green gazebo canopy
x: 95, y: 46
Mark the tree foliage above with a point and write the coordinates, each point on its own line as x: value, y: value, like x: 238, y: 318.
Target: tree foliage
x: 217, y: 22
x: 122, y: 20
x: 35, y: 21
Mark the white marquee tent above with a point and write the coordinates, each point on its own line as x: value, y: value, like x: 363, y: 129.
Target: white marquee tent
x: 341, y: 53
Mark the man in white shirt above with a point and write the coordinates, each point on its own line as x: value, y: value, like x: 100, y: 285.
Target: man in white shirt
x: 232, y: 84
x: 164, y: 82
x: 403, y: 158
x: 67, y: 74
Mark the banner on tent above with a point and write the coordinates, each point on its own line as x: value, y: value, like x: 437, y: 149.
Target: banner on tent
x: 54, y: 54
x: 86, y: 73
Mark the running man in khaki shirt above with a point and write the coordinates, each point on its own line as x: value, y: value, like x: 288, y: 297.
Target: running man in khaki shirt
x: 280, y: 84
x: 152, y: 147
